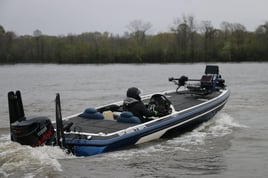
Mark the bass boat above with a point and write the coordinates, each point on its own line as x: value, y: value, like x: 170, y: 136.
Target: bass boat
x: 110, y: 127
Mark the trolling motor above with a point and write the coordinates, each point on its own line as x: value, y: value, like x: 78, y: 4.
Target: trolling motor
x: 209, y: 82
x: 179, y: 81
x: 33, y: 131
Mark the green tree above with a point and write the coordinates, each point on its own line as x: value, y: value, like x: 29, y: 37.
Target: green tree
x: 209, y: 37
x: 261, y: 42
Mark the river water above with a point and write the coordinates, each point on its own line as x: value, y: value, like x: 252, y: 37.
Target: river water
x: 233, y: 144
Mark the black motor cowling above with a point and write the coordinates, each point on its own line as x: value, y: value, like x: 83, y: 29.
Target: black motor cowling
x: 33, y: 131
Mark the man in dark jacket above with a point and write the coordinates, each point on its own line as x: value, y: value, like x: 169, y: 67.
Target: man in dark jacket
x: 134, y: 104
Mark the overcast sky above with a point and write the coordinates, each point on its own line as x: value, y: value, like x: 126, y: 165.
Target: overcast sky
x: 61, y: 17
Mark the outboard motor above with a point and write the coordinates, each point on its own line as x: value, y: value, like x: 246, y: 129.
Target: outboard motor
x: 33, y: 131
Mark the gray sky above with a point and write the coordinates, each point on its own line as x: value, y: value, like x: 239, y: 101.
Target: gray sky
x: 61, y: 17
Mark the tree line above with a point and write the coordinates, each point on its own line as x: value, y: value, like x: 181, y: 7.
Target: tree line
x: 186, y: 41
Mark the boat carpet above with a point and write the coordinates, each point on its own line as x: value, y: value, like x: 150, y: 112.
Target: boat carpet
x: 184, y: 101
x: 97, y: 126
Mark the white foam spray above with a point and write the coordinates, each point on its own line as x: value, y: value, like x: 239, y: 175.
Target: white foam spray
x: 221, y: 125
x: 26, y: 161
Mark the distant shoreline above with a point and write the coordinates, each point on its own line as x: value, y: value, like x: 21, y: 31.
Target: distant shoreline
x: 97, y: 64
x: 183, y: 44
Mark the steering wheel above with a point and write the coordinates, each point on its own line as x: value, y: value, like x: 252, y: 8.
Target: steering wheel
x: 161, y: 104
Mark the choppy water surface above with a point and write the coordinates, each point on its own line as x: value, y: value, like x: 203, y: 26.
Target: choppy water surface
x: 232, y: 144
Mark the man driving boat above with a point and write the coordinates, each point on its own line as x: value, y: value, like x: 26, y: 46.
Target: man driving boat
x: 134, y: 104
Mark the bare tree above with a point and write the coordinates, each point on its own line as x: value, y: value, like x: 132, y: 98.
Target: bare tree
x: 192, y: 31
x: 184, y: 29
x: 39, y: 45
x: 209, y: 33
x: 262, y: 34
x: 139, y: 28
x: 37, y: 33
x: 234, y: 37
x: 226, y: 27
x: 239, y: 34
x: 262, y: 29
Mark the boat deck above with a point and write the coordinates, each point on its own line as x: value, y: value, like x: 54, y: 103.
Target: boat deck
x: 97, y: 126
x: 179, y: 102
x: 184, y: 101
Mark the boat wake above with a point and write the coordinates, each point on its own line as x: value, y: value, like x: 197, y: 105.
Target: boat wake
x: 17, y: 160
x: 24, y: 161
x: 220, y: 126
